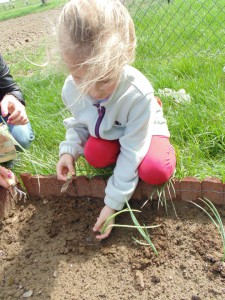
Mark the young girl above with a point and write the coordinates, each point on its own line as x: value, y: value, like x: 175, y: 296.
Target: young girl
x: 115, y: 117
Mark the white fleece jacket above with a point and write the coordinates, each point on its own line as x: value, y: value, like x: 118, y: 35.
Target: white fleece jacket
x: 132, y: 115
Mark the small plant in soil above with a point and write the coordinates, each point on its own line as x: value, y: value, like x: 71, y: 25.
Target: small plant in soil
x: 162, y: 191
x: 142, y: 229
x: 214, y: 216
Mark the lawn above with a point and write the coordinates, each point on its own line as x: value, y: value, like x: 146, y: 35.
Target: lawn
x: 172, y: 54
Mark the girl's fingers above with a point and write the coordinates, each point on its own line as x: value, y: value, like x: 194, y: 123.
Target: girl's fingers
x: 72, y: 170
x: 5, y: 172
x: 3, y: 182
x: 103, y: 236
x: 61, y: 176
x: 97, y: 228
x: 17, y: 119
x: 7, y: 178
x: 97, y: 225
x: 60, y: 173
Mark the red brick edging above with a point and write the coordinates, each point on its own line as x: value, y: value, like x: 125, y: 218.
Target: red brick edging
x: 186, y: 189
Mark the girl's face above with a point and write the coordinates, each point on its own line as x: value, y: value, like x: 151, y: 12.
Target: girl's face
x: 99, y: 90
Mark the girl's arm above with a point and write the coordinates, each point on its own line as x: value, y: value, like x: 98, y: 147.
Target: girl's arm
x: 76, y: 133
x: 8, y: 84
x: 76, y: 137
x: 71, y: 148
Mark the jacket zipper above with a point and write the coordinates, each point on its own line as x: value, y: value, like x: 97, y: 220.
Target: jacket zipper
x: 101, y: 113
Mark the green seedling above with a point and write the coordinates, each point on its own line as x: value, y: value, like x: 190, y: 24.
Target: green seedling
x: 142, y: 229
x: 216, y: 219
x: 161, y: 191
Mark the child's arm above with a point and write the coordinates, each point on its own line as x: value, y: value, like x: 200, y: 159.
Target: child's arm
x: 11, y: 97
x: 8, y: 84
x: 71, y: 148
x: 76, y: 137
x: 76, y: 133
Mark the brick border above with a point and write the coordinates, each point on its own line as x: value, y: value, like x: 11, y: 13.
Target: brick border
x: 41, y: 186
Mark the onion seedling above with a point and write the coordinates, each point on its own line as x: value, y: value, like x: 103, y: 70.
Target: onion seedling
x: 142, y: 229
x: 216, y: 219
x: 161, y: 191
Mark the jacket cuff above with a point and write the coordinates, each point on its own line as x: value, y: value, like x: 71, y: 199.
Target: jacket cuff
x: 18, y: 96
x: 68, y: 150
x: 113, y: 204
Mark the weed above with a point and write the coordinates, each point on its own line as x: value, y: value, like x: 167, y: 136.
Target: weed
x: 162, y: 191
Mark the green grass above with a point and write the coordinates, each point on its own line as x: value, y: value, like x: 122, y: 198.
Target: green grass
x: 179, y: 27
x: 197, y: 128
x: 21, y: 9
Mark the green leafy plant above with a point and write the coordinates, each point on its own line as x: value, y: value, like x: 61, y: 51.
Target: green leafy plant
x: 215, y: 218
x: 141, y: 229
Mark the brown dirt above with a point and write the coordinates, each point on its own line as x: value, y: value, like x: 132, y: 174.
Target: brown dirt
x: 27, y: 32
x: 47, y: 246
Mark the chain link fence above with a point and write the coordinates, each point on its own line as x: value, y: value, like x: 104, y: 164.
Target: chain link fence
x: 168, y: 28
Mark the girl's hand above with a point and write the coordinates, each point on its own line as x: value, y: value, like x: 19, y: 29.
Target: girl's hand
x: 105, y: 213
x: 5, y: 176
x: 65, y: 165
x: 11, y: 105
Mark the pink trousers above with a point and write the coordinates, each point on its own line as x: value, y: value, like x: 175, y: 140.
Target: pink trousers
x: 156, y: 168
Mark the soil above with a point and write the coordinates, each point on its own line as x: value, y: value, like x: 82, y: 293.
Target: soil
x: 48, y: 249
x: 27, y: 32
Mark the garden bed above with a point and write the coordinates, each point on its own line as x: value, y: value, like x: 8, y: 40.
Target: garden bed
x: 48, y: 249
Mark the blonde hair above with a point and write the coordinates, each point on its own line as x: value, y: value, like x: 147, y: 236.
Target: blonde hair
x: 100, y: 35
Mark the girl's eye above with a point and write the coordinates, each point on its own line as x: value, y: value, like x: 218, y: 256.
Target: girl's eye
x: 77, y: 78
x: 103, y: 82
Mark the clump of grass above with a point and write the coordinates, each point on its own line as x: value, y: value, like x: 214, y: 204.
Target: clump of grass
x: 141, y: 229
x: 215, y: 218
x: 161, y: 191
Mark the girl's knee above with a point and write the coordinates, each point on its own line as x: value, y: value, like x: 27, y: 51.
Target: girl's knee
x: 159, y: 163
x: 157, y: 172
x: 101, y: 153
x: 23, y: 134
